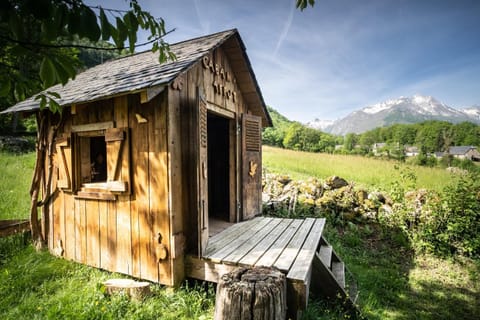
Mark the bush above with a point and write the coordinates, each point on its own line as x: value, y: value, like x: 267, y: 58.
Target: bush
x: 443, y: 223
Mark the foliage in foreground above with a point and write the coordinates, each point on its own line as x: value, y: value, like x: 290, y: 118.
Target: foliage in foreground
x: 444, y: 223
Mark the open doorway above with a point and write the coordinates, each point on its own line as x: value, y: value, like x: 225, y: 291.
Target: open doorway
x: 218, y: 172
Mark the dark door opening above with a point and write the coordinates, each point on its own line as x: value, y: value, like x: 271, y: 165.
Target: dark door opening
x: 218, y: 167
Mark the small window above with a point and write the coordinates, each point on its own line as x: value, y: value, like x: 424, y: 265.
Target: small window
x: 93, y: 159
x: 101, y: 160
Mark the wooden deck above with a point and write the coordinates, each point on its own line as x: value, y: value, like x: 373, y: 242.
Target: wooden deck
x: 286, y: 244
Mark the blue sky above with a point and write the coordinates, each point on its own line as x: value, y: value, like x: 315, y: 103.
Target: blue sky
x: 340, y: 55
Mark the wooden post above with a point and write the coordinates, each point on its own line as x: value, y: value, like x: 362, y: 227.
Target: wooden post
x: 251, y: 293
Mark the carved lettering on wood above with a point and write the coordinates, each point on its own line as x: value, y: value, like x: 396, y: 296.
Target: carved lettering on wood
x: 222, y: 78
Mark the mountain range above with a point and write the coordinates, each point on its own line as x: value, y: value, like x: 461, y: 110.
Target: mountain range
x: 402, y: 110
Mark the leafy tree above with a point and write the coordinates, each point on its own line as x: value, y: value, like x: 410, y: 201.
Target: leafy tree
x: 434, y: 135
x: 350, y: 141
x: 403, y: 134
x: 466, y: 134
x: 36, y: 38
x: 275, y: 135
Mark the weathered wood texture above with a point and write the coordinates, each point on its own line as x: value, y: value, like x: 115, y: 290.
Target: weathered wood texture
x: 9, y: 227
x: 122, y: 225
x: 149, y: 212
x: 289, y: 245
x: 251, y: 294
x: 251, y: 165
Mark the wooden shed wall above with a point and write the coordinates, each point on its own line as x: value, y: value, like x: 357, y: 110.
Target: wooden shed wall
x: 159, y: 215
x: 127, y: 234
x: 201, y: 77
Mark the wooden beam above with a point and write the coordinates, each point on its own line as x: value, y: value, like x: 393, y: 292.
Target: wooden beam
x: 150, y: 93
x: 93, y: 126
x: 206, y: 270
x: 220, y: 111
x: 95, y: 196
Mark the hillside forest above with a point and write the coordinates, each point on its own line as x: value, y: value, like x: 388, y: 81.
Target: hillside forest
x: 428, y: 137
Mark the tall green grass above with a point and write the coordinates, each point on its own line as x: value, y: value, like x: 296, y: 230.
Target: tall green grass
x: 371, y: 172
x: 39, y: 286
x: 16, y: 176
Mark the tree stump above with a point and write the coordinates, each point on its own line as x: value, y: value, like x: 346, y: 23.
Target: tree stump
x: 134, y: 289
x: 251, y: 294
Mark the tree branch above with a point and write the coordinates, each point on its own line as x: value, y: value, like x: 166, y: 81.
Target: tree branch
x: 79, y: 46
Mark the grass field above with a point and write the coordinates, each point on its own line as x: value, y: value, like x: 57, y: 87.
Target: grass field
x: 395, y: 283
x: 16, y: 175
x: 371, y: 172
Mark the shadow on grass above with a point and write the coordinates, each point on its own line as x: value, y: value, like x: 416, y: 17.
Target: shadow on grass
x: 394, y: 283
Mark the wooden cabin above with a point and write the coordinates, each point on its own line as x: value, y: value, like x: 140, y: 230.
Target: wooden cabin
x: 154, y: 171
x: 150, y: 157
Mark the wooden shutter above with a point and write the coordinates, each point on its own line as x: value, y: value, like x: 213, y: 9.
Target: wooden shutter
x: 251, y: 165
x: 118, y: 162
x: 202, y: 171
x: 63, y: 147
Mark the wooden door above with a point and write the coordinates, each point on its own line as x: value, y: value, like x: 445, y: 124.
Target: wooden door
x: 251, y: 166
x: 202, y: 174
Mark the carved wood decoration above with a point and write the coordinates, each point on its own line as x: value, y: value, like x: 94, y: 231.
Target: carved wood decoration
x: 177, y: 84
x: 252, y: 166
x: 202, y: 172
x: 203, y: 123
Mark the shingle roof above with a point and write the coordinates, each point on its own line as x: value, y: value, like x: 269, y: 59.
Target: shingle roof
x: 459, y: 150
x: 142, y: 70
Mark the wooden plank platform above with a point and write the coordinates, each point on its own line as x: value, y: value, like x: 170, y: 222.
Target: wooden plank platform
x: 9, y: 227
x: 287, y: 244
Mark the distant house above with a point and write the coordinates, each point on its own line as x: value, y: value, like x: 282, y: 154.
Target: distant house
x: 465, y: 152
x: 378, y: 148
x: 411, y: 151
x: 438, y: 154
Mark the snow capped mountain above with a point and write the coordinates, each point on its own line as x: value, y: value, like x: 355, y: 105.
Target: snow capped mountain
x: 402, y: 110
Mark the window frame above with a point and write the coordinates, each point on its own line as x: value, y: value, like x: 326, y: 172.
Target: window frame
x: 117, y: 158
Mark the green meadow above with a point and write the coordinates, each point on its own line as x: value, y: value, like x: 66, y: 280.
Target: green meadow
x: 370, y: 172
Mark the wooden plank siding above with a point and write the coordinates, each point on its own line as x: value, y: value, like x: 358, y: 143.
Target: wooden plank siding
x: 147, y: 229
x: 120, y: 235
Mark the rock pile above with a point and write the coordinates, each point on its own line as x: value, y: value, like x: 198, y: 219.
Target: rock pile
x: 334, y: 198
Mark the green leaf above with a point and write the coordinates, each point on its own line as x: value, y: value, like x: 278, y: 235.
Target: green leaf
x: 105, y: 25
x: 132, y: 39
x: 54, y: 94
x: 68, y: 65
x: 43, y: 100
x: 119, y: 34
x: 89, y: 24
x: 133, y: 21
x: 75, y: 22
x: 54, y: 106
x: 122, y: 29
x: 47, y: 72
x: 61, y: 72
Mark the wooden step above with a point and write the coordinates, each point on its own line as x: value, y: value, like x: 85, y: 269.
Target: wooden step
x: 325, y: 255
x: 338, y: 270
